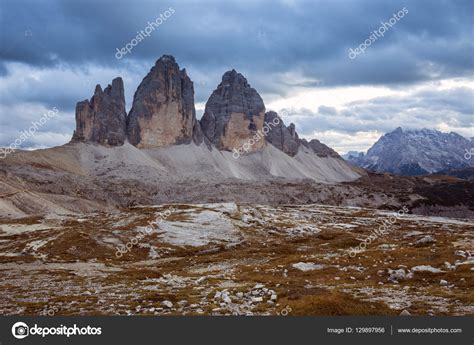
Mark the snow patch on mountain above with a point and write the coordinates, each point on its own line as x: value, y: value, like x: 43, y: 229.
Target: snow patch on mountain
x: 416, y: 152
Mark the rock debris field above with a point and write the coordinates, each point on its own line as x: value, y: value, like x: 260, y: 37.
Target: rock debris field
x: 228, y: 259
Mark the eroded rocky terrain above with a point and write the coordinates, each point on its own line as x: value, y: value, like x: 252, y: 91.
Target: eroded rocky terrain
x: 228, y: 259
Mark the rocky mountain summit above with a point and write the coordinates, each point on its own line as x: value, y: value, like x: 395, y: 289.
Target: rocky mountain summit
x: 416, y: 152
x: 102, y: 120
x: 234, y: 113
x: 163, y: 115
x: 160, y: 153
x: 163, y: 110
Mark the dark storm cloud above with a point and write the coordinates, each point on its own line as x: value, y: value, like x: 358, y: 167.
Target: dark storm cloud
x: 268, y: 41
x: 254, y: 36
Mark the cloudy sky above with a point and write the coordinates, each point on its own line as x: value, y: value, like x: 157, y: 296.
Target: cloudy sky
x: 295, y: 53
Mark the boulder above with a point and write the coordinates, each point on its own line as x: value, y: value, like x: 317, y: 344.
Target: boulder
x: 167, y: 304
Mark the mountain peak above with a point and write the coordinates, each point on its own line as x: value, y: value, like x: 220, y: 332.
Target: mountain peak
x: 163, y: 110
x: 233, y: 77
x: 234, y: 113
x: 166, y: 59
x: 416, y: 152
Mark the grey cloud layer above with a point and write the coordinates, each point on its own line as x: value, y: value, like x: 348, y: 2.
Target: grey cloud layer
x: 453, y: 107
x: 262, y: 39
x: 313, y: 35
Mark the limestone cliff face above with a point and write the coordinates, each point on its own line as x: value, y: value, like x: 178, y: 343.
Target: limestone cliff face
x: 233, y: 114
x: 163, y: 111
x: 102, y: 119
x: 282, y: 137
x: 163, y: 114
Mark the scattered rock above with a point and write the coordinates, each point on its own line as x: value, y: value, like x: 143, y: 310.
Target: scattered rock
x: 425, y: 240
x: 396, y: 276
x: 200, y: 280
x: 167, y: 304
x: 405, y: 313
x: 307, y: 266
x: 449, y: 266
x: 462, y: 253
x: 425, y: 268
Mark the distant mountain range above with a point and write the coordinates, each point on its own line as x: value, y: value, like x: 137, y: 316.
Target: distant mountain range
x: 416, y: 152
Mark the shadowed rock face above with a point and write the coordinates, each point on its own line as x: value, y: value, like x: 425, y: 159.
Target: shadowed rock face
x: 234, y: 113
x: 319, y: 148
x: 163, y: 114
x: 282, y: 137
x: 163, y: 111
x: 102, y: 119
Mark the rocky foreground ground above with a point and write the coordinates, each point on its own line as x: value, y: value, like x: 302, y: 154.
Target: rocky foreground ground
x: 228, y: 259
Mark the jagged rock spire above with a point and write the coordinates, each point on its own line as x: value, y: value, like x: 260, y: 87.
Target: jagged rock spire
x: 282, y: 137
x: 102, y: 119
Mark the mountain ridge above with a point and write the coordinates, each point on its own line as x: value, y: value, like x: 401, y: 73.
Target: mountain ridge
x: 415, y: 152
x: 163, y: 114
x: 189, y: 161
